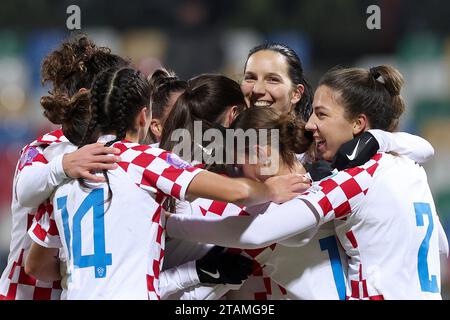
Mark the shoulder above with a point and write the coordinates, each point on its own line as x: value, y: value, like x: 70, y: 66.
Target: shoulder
x: 144, y: 155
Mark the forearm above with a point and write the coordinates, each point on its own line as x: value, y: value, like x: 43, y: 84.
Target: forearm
x: 240, y: 191
x: 411, y: 146
x: 37, y: 182
x: 43, y: 263
x: 277, y: 224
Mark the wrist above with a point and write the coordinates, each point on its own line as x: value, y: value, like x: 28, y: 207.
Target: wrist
x: 66, y: 160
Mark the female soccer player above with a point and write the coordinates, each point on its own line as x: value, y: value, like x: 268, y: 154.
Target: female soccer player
x: 113, y: 254
x: 369, y: 204
x: 69, y: 69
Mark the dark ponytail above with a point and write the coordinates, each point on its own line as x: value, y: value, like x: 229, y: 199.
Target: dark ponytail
x: 117, y: 96
x: 374, y: 92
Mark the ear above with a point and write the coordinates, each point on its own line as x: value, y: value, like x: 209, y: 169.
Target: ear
x: 297, y: 94
x: 360, y: 124
x: 156, y: 128
x: 143, y: 117
x: 231, y: 115
x: 82, y: 90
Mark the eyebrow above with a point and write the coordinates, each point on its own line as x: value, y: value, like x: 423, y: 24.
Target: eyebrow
x: 320, y: 108
x: 270, y: 74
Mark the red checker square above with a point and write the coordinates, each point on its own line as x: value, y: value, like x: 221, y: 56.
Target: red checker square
x: 326, y: 206
x: 283, y: 290
x: 39, y: 232
x: 150, y: 285
x: 156, y: 268
x: 121, y: 147
x: 371, y: 170
x: 328, y: 185
x: 355, y: 289
x: 11, y: 295
x: 172, y: 173
x: 25, y: 278
x: 141, y: 147
x: 351, y: 188
x: 159, y: 235
x: 352, y: 239
x: 143, y: 160
x: 268, y: 285
x: 53, y: 231
x: 260, y: 296
x: 42, y: 293
x: 342, y: 210
x: 149, y: 178
x: 354, y: 171
x: 124, y: 165
x: 176, y: 191
x: 218, y: 207
x: 56, y: 285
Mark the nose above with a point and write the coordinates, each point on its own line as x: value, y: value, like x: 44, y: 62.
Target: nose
x: 311, y: 124
x: 259, y: 88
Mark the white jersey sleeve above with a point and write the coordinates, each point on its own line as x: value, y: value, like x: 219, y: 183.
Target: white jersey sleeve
x: 156, y: 170
x: 178, y: 278
x: 411, y: 146
x: 245, y: 232
x: 44, y: 230
x: 36, y: 183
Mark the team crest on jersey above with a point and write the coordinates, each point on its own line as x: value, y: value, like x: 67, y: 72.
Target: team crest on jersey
x: 28, y: 157
x: 177, y: 162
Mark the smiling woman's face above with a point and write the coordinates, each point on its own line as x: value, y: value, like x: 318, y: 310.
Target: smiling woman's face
x: 266, y: 82
x: 328, y: 123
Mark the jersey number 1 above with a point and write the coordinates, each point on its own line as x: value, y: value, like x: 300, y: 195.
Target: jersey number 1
x: 330, y: 244
x: 100, y: 259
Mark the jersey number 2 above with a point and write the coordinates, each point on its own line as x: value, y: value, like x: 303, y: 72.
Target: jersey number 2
x: 100, y: 259
x: 426, y: 284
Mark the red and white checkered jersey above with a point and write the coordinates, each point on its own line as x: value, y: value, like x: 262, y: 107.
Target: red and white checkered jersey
x: 386, y: 220
x: 315, y: 270
x: 115, y: 249
x: 15, y: 284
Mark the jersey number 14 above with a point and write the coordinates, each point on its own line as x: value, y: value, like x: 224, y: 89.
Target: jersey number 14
x: 99, y: 259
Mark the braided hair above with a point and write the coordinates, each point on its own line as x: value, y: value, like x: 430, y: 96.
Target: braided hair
x: 117, y: 97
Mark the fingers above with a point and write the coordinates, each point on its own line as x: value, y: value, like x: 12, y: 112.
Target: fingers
x: 300, y: 187
x: 105, y: 158
x: 99, y: 149
x: 92, y: 177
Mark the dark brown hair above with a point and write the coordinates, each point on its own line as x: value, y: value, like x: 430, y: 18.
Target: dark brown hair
x: 163, y: 83
x: 70, y: 68
x: 117, y: 96
x: 291, y: 130
x: 374, y: 92
x: 207, y: 98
